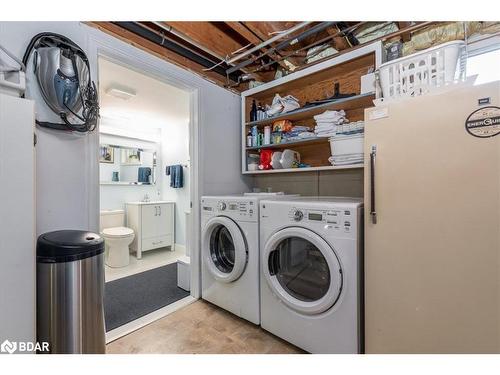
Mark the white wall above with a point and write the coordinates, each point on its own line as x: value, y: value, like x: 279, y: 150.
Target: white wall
x: 63, y: 175
x: 175, y: 150
x: 67, y: 168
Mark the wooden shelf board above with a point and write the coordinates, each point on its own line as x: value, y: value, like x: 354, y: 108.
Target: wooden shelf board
x: 353, y: 102
x: 304, y: 141
x: 293, y: 80
x: 309, y: 169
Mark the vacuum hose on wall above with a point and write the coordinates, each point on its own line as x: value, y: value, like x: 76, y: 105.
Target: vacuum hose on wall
x: 63, y: 74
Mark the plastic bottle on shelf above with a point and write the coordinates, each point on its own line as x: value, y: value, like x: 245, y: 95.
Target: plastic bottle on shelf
x: 267, y: 135
x: 260, y: 112
x: 249, y: 139
x: 255, y: 135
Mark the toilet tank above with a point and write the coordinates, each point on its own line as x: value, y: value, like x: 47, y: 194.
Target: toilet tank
x: 112, y: 218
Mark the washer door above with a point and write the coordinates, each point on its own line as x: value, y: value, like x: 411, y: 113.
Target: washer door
x: 302, y: 270
x: 224, y: 249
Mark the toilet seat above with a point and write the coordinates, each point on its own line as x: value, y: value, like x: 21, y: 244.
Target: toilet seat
x: 117, y: 232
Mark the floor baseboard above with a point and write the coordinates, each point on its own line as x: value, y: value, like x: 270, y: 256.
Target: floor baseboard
x: 147, y: 319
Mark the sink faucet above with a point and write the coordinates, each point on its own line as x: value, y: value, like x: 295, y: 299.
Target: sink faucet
x: 146, y: 198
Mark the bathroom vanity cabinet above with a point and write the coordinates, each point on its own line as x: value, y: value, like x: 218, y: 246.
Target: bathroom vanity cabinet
x: 153, y: 225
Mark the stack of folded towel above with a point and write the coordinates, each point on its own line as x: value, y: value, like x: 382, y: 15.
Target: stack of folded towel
x: 328, y: 121
x: 347, y: 144
x: 350, y: 128
x: 346, y: 159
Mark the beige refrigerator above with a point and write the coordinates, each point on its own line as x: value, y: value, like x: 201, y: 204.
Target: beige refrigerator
x: 432, y: 223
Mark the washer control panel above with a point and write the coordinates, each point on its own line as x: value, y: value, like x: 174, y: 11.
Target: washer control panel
x: 298, y: 215
x: 231, y: 208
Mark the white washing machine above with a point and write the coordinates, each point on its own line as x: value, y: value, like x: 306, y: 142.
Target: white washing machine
x: 311, y: 272
x: 230, y: 252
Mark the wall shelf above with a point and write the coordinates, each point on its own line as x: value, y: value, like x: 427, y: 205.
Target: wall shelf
x: 353, y: 102
x: 308, y: 85
x: 308, y: 141
x: 309, y: 169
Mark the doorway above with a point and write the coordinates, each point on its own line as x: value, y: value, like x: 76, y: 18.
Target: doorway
x: 145, y: 195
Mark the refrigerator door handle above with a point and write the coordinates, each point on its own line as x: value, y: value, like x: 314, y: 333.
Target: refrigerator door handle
x: 373, y: 212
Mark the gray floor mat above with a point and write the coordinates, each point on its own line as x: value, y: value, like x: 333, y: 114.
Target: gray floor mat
x: 132, y: 297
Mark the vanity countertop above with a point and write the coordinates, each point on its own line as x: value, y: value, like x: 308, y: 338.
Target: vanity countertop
x: 151, y: 202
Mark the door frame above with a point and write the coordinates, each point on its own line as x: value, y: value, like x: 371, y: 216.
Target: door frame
x: 118, y: 52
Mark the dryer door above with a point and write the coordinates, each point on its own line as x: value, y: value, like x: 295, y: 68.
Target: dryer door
x: 302, y: 270
x: 224, y: 249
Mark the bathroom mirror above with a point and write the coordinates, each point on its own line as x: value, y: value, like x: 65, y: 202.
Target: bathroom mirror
x: 119, y: 165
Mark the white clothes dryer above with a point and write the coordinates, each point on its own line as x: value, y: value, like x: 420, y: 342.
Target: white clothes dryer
x: 311, y: 272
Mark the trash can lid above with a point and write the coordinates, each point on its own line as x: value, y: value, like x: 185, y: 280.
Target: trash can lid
x: 68, y: 246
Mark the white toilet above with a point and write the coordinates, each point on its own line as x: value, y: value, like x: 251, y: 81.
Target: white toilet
x: 117, y: 238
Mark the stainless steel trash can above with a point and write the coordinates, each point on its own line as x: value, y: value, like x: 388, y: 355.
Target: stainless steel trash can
x: 70, y: 291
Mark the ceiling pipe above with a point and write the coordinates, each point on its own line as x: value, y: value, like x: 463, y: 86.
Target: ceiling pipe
x: 268, y: 41
x: 289, y: 42
x: 152, y: 36
x: 321, y: 41
x: 171, y: 30
x: 168, y: 36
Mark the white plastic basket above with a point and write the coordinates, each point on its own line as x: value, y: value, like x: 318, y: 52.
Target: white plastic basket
x: 423, y: 71
x: 347, y: 145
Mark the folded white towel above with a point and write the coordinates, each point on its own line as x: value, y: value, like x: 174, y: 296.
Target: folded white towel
x: 307, y: 135
x: 334, y: 161
x: 330, y: 115
x: 348, y: 162
x: 341, y: 158
x: 324, y: 128
x: 329, y: 122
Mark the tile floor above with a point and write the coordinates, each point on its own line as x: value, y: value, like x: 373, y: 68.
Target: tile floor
x: 201, y: 328
x: 150, y: 259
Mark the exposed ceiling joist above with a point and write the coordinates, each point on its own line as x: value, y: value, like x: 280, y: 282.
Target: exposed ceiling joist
x: 154, y: 48
x: 177, y: 48
x: 264, y: 30
x: 233, y: 53
x: 209, y: 35
x: 240, y: 28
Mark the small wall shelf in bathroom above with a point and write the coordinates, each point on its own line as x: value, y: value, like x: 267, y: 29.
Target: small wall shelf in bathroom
x: 123, y: 183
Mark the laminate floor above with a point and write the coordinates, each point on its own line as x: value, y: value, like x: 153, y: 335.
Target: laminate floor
x: 201, y: 328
